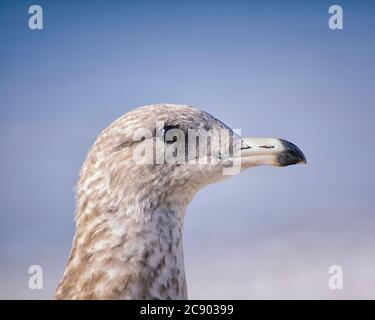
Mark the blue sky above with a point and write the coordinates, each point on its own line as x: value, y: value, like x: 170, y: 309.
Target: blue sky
x: 270, y: 68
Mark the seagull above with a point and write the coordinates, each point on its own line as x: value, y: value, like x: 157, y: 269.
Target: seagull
x: 130, y: 211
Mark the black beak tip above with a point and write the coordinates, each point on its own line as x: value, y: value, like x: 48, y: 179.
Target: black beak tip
x: 291, y: 155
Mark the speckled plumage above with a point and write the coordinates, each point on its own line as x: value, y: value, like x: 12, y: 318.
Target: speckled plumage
x: 129, y: 216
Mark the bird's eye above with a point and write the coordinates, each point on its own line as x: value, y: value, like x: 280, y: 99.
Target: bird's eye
x: 163, y: 133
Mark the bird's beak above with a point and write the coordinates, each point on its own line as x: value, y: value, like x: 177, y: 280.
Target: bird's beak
x: 269, y: 151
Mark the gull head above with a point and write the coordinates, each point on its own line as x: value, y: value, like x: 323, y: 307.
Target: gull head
x: 168, y: 152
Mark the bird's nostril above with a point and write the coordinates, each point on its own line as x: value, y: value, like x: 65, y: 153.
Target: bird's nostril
x: 267, y: 146
x: 245, y: 147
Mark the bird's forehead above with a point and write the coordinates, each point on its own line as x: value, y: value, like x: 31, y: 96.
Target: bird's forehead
x: 150, y: 117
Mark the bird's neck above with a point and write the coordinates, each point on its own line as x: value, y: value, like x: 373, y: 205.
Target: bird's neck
x: 130, y: 251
